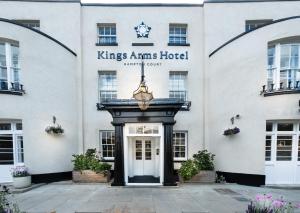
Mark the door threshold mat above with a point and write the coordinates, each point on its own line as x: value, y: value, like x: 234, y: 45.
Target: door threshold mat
x: 226, y: 191
x: 143, y: 179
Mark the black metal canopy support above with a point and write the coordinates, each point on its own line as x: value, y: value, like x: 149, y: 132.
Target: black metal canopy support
x: 127, y: 111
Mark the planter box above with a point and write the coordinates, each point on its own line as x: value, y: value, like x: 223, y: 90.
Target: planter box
x: 89, y: 176
x: 204, y: 176
x: 21, y: 182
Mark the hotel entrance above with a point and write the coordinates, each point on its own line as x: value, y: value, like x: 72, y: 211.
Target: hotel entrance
x: 143, y: 156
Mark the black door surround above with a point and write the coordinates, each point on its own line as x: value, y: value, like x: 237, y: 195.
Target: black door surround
x: 127, y: 111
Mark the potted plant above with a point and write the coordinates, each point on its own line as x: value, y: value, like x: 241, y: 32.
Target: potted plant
x: 200, y: 169
x: 88, y: 168
x: 21, y: 176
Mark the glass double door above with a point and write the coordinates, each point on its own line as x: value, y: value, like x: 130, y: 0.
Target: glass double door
x: 144, y: 157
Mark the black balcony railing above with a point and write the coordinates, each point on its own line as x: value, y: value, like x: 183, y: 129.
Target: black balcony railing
x: 106, y: 95
x: 13, y: 87
x: 289, y: 88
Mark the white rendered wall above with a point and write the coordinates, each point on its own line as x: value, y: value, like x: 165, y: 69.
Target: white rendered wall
x: 48, y: 73
x: 236, y: 74
x: 157, y: 78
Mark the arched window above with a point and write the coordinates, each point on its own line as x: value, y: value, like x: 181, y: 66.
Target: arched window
x: 283, y: 66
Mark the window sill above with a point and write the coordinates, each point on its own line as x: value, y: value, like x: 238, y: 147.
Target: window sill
x: 12, y: 92
x: 179, y: 160
x: 108, y: 160
x: 184, y: 45
x: 108, y: 44
x: 280, y: 92
x: 142, y: 44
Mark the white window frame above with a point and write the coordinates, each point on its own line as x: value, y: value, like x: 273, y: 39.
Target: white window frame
x: 295, y: 143
x: 180, y: 35
x: 9, y: 66
x: 15, y: 133
x: 185, y: 145
x: 110, y: 36
x: 276, y: 69
x: 113, y: 91
x: 101, y: 145
x: 178, y: 89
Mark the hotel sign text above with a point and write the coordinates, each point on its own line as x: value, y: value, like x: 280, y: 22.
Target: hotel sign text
x: 161, y: 55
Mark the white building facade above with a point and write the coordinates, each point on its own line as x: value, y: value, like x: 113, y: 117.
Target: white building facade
x: 211, y: 67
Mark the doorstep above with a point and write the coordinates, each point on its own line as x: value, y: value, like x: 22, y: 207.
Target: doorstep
x: 283, y: 186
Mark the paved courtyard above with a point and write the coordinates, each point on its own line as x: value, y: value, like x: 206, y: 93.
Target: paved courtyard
x: 66, y: 197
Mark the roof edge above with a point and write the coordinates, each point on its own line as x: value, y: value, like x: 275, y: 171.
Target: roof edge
x: 245, y: 33
x: 142, y: 5
x: 39, y: 32
x: 244, y: 1
x: 46, y: 1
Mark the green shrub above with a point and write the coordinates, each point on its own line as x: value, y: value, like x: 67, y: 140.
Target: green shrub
x: 204, y: 160
x: 188, y: 169
x: 90, y: 161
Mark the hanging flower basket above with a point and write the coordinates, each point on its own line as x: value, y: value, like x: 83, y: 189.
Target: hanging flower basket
x: 55, y: 129
x: 232, y: 131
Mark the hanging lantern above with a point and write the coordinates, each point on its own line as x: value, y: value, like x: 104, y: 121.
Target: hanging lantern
x: 142, y: 95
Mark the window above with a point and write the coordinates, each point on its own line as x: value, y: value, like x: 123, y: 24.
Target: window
x: 35, y: 24
x: 9, y: 67
x: 144, y: 129
x: 284, y: 148
x: 107, y: 86
x: 253, y: 24
x: 269, y: 127
x: 285, y: 127
x: 178, y: 34
x: 11, y: 144
x: 299, y: 148
x: 283, y: 73
x: 177, y: 85
x: 268, y: 148
x: 107, y: 144
x: 107, y: 34
x: 138, y: 150
x: 148, y: 150
x: 180, y: 145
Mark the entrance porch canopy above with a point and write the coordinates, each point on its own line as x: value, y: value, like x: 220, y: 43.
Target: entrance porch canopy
x: 159, y: 111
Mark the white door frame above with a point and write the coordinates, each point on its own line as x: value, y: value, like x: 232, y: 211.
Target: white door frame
x: 15, y: 133
x: 126, y: 137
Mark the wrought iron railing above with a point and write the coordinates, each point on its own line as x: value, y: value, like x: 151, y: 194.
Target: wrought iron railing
x: 290, y: 87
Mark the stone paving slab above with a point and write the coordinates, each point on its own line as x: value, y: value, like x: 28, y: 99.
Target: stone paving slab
x: 101, y: 198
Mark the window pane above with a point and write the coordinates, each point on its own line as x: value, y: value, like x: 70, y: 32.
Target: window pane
x: 284, y: 56
x: 20, y: 149
x: 19, y: 126
x: 6, y: 150
x: 271, y: 57
x: 268, y: 148
x: 294, y: 56
x: 299, y: 148
x: 284, y: 148
x: 269, y: 127
x: 5, y: 126
x: 2, y: 55
x: 285, y: 127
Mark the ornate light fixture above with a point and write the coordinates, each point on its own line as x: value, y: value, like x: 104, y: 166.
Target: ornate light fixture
x: 142, y: 95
